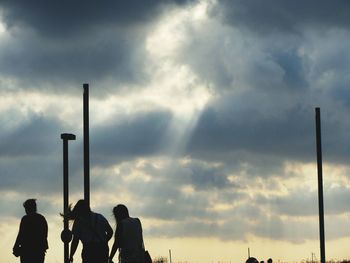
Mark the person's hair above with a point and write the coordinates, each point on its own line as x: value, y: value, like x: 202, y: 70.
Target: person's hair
x: 30, y: 205
x: 120, y: 212
x: 81, y: 209
x: 269, y: 260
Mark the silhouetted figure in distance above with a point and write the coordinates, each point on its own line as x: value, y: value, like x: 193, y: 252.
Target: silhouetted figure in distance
x: 128, y: 237
x: 93, y: 230
x: 252, y: 260
x: 269, y: 260
x: 31, y: 242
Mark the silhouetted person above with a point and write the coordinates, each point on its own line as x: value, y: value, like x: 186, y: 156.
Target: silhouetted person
x: 269, y: 260
x: 252, y: 260
x: 128, y: 237
x: 31, y: 242
x: 262, y: 261
x: 93, y: 230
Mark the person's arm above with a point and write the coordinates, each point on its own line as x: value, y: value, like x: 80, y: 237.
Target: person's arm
x: 116, y: 243
x: 73, y: 247
x: 109, y: 231
x: 45, y: 233
x: 113, y: 251
x: 18, y: 241
x: 75, y: 241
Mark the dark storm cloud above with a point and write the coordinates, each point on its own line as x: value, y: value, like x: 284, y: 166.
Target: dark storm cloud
x: 130, y: 136
x: 288, y: 133
x: 208, y: 177
x: 176, y: 208
x: 252, y: 125
x: 79, y: 17
x: 31, y: 175
x: 31, y: 153
x: 302, y: 202
x: 174, y: 191
x: 261, y: 115
x: 266, y: 90
x: 45, y: 63
x: 200, y: 175
x: 33, y: 135
x: 291, y: 63
x: 231, y: 59
x: 52, y: 46
x: 284, y: 16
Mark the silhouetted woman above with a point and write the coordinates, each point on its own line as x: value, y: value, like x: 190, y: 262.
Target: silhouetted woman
x: 128, y: 237
x: 93, y: 230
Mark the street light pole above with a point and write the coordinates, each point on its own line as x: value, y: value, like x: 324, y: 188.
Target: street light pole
x: 320, y: 184
x: 86, y: 143
x: 66, y: 235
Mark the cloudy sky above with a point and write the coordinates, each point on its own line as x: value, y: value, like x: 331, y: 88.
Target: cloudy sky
x: 201, y: 121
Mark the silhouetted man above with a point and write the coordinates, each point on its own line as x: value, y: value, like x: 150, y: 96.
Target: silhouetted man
x: 31, y: 243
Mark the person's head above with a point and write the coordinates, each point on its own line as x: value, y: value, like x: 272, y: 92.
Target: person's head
x: 262, y: 261
x: 120, y: 212
x: 81, y: 209
x: 252, y: 260
x: 269, y: 260
x: 30, y: 206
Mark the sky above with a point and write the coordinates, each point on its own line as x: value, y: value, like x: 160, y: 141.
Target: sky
x: 201, y: 121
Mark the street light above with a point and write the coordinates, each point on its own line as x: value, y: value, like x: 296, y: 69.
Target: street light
x: 66, y: 235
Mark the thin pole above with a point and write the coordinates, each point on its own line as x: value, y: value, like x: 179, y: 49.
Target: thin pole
x: 170, y: 255
x: 66, y: 235
x: 248, y: 252
x: 65, y: 197
x: 320, y: 184
x: 86, y: 144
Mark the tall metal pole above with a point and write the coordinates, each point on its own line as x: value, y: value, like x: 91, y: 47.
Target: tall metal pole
x: 170, y: 255
x: 86, y: 144
x: 320, y: 184
x: 66, y: 234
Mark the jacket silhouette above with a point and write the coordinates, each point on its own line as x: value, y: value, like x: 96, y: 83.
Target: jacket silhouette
x: 93, y: 230
x: 31, y: 242
x: 128, y: 237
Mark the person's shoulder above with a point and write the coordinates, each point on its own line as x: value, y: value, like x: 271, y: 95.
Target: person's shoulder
x: 99, y: 216
x: 24, y: 218
x: 40, y: 216
x: 136, y: 219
